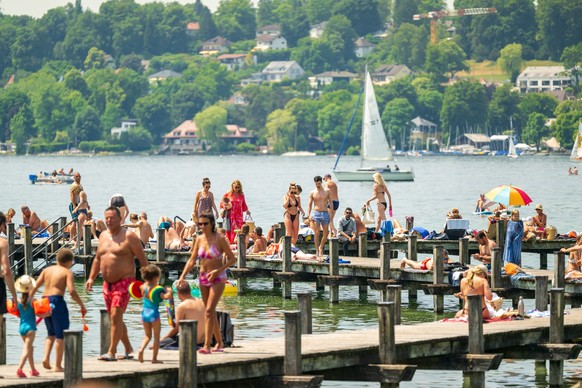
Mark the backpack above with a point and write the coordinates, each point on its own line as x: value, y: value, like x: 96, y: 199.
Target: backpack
x: 226, y: 327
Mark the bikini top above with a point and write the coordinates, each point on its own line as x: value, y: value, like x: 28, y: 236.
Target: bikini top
x: 289, y: 204
x: 212, y: 253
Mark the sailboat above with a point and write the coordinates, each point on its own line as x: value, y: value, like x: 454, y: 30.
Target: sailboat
x: 375, y: 147
x: 511, y: 152
x: 576, y: 154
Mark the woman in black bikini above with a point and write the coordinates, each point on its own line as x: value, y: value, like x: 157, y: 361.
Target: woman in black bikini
x: 380, y: 190
x: 292, y: 206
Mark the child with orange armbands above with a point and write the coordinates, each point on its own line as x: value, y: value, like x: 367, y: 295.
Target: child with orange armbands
x: 27, y: 329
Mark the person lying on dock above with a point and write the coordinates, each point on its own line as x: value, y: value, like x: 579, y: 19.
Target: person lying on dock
x: 574, y: 259
x: 485, y: 247
x: 30, y: 218
x: 426, y: 264
x: 173, y: 240
x: 475, y: 284
x: 190, y: 308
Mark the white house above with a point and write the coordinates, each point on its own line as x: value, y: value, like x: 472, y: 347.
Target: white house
x: 126, y: 125
x: 271, y: 42
x: 363, y: 48
x: 232, y: 61
x: 271, y: 29
x: 385, y: 74
x: 543, y: 79
x: 163, y: 75
x: 276, y: 71
x: 330, y: 77
x: 316, y: 30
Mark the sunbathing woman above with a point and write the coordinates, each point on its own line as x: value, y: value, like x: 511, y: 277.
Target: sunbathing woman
x: 574, y: 259
x: 380, y: 192
x: 475, y: 284
x: 292, y: 206
x: 210, y: 247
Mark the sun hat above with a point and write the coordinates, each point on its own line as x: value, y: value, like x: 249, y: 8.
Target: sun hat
x: 539, y: 207
x: 24, y: 283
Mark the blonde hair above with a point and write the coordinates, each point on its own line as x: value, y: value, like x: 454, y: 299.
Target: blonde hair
x: 378, y: 179
x: 472, y: 272
x: 236, y: 182
x: 515, y: 213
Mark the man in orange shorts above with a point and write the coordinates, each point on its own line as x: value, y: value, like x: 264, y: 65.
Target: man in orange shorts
x: 426, y: 264
x: 115, y: 261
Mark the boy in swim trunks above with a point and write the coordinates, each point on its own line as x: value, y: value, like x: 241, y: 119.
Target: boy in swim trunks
x: 320, y: 200
x: 426, y: 264
x: 57, y: 279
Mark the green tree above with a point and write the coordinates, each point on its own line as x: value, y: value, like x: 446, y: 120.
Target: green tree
x: 363, y: 14
x: 13, y: 101
x: 154, y: 114
x: 542, y: 103
x: 305, y: 112
x: 559, y: 25
x: 86, y: 31
x: 340, y: 37
x: 511, y: 61
x: 445, y: 57
x: 207, y: 26
x: 74, y: 81
x: 503, y: 108
x: 87, y: 127
x: 464, y: 107
x: 211, y: 124
x: 535, y: 129
x: 95, y: 59
x: 294, y: 22
x: 235, y: 19
x: 572, y: 58
x: 266, y: 12
x: 396, y: 118
x: 137, y: 139
x: 318, y: 10
x: 20, y: 126
x: 30, y: 48
x: 566, y: 127
x: 281, y: 127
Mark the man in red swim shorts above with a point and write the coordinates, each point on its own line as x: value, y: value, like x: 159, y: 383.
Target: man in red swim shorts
x: 115, y: 261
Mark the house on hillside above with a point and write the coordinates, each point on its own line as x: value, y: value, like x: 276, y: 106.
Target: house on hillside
x: 271, y: 42
x: 163, y: 75
x: 215, y: 45
x: 271, y: 29
x: 233, y: 62
x: 276, y: 71
x: 385, y: 74
x: 329, y: 77
x: 192, y: 29
x: 316, y: 30
x: 543, y: 79
x: 363, y: 48
x: 126, y: 125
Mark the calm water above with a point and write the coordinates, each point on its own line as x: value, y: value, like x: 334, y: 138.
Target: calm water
x: 167, y: 185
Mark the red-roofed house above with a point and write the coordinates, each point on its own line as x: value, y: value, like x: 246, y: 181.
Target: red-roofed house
x: 192, y: 28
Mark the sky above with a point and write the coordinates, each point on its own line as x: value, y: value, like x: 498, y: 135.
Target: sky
x: 37, y: 8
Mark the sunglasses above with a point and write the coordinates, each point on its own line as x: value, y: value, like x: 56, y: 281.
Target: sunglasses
x: 348, y: 212
x: 203, y: 223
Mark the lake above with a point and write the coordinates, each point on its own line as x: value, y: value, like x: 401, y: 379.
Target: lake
x: 166, y: 186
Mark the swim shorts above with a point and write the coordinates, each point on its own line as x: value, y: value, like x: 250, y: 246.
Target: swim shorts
x: 117, y: 201
x: 220, y: 278
x: 423, y: 264
x: 58, y: 322
x: 150, y: 315
x: 2, y: 297
x: 334, y: 205
x: 117, y: 294
x: 321, y: 217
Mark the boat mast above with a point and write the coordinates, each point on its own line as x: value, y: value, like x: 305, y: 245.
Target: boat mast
x: 339, y: 154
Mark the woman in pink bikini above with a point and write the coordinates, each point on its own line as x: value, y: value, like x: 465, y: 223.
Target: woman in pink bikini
x: 211, y: 248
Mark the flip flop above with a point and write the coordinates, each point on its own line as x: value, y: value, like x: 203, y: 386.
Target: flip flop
x: 203, y: 351
x: 219, y: 350
x: 107, y: 357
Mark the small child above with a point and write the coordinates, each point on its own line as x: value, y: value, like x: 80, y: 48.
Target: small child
x: 225, y: 205
x: 150, y: 314
x: 57, y: 279
x: 27, y: 330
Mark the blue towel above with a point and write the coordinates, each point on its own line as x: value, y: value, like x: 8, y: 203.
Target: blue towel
x: 513, y: 237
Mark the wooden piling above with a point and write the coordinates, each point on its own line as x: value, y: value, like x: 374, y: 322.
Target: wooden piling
x: 73, y: 354
x: 86, y: 239
x: 10, y: 237
x: 55, y: 243
x: 543, y: 260
x: 241, y: 261
x: 476, y: 341
x: 496, y: 266
x: 2, y: 340
x: 412, y: 254
x: 334, y: 268
x: 541, y: 293
x: 304, y: 304
x: 438, y: 277
x: 559, y: 270
x: 363, y: 245
x: 277, y: 234
x: 387, y: 346
x: 283, y: 229
x: 500, y: 227
x: 464, y: 257
x: 393, y: 294
x: 105, y: 332
x: 292, y: 362
x: 28, y: 267
x: 187, y: 371
x: 556, y: 333
x: 161, y: 244
x: 287, y: 262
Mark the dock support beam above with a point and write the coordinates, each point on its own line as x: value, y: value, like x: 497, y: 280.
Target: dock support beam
x: 54, y: 234
x: 393, y: 293
x: 334, y: 268
x: 105, y: 332
x: 559, y: 270
x: 241, y: 262
x: 188, y: 371
x: 304, y: 304
x: 412, y: 254
x: 496, y: 265
x: 476, y: 340
x: 2, y: 340
x: 387, y: 347
x: 541, y: 293
x: 363, y: 245
x: 161, y: 244
x: 292, y: 363
x: 385, y: 255
x: 556, y: 334
x: 287, y: 284
x: 87, y: 239
x: 28, y: 267
x: 500, y: 227
x: 437, y: 277
x: 464, y: 257
x: 277, y: 234
x: 543, y: 260
x: 73, y: 358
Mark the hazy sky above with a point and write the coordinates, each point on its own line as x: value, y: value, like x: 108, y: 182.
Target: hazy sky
x: 37, y: 8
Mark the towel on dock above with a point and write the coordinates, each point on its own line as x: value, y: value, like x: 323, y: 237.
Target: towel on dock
x: 466, y: 319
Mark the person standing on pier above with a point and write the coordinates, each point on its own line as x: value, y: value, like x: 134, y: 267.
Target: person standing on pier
x: 512, y: 251
x: 331, y: 186
x: 292, y: 206
x: 239, y: 205
x: 115, y: 261
x: 380, y: 193
x: 74, y: 197
x: 320, y: 200
x: 204, y: 201
x: 211, y: 248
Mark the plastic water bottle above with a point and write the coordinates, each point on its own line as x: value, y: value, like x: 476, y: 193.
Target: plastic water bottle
x: 390, y: 212
x: 520, y: 307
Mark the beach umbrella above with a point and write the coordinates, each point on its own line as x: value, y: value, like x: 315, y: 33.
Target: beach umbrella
x: 509, y: 196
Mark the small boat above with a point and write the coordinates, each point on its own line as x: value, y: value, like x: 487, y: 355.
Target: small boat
x: 298, y: 153
x: 375, y: 147
x: 511, y: 152
x: 576, y: 154
x: 46, y: 178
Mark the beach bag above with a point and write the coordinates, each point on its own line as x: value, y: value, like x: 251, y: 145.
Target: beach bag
x: 368, y: 216
x: 250, y: 222
x: 226, y: 327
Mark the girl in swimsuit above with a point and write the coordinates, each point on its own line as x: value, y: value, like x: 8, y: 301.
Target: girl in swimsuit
x: 204, y: 201
x: 210, y: 247
x: 27, y: 329
x: 476, y: 284
x: 380, y: 191
x: 292, y: 206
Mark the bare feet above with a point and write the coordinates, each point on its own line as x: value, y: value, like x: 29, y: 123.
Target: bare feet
x: 157, y: 362
x: 218, y: 348
x: 46, y: 364
x: 402, y: 264
x: 59, y: 369
x: 140, y: 355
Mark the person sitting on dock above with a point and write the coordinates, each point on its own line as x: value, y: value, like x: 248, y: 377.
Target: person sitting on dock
x: 190, y: 308
x: 10, y: 213
x: 485, y: 247
x: 173, y: 240
x: 347, y: 231
x: 475, y: 284
x: 97, y: 225
x: 30, y: 218
x: 574, y: 270
x: 540, y: 221
x: 141, y: 227
x: 260, y: 242
x: 454, y: 214
x: 426, y: 264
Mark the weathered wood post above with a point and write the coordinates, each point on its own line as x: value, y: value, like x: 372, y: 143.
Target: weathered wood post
x: 387, y: 347
x: 385, y: 254
x: 409, y: 223
x: 464, y: 257
x: 292, y: 362
x: 283, y: 229
x: 412, y: 255
x: 541, y: 293
x: 363, y: 245
x: 62, y: 222
x: 11, y: 244
x: 543, y: 260
x: 438, y: 278
x: 287, y: 284
x: 500, y: 227
x: 73, y: 358
x: 496, y: 265
x: 28, y: 267
x: 86, y: 239
x: 2, y: 340
x: 161, y: 244
x: 393, y: 293
x: 188, y: 371
x: 277, y: 234
x: 556, y: 334
x: 54, y: 235
x: 241, y: 261
x: 334, y: 268
x: 476, y: 341
x: 105, y: 332
x: 559, y: 270
x: 304, y: 304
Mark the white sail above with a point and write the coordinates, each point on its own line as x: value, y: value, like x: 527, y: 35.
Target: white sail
x: 511, y: 152
x: 374, y: 142
x: 577, y: 148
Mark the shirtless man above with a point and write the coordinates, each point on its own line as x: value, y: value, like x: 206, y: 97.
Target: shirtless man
x: 485, y: 246
x: 189, y: 309
x: 574, y: 260
x: 260, y: 242
x: 141, y: 227
x: 331, y: 186
x: 74, y: 197
x: 6, y: 277
x: 475, y: 284
x: 31, y: 218
x: 320, y: 199
x: 115, y: 261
